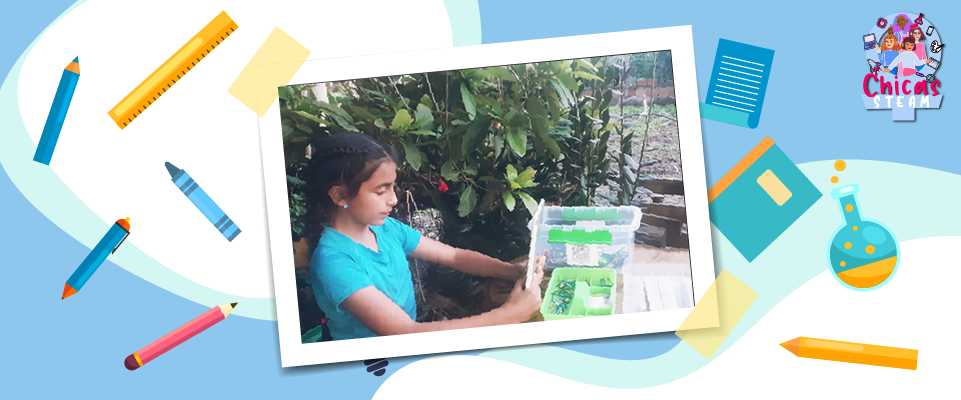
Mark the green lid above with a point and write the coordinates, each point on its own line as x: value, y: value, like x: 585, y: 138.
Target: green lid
x: 579, y: 236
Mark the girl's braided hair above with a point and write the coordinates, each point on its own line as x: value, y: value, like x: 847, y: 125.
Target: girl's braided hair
x: 348, y: 159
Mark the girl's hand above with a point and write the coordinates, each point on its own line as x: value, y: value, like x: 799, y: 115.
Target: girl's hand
x: 517, y: 268
x: 526, y: 303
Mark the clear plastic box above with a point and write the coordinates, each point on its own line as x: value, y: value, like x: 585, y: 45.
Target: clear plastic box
x: 591, y: 216
x: 615, y: 251
x: 654, y: 287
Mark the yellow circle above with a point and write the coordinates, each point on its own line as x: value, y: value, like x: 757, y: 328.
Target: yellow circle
x: 834, y: 179
x: 839, y: 165
x: 847, y: 245
x: 869, y: 249
x: 842, y: 263
x: 855, y: 227
x: 849, y: 208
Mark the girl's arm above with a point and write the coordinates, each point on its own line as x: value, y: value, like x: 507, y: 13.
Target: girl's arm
x: 384, y: 317
x: 466, y: 261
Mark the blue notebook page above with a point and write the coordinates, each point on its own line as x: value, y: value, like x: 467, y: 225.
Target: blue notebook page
x: 738, y: 83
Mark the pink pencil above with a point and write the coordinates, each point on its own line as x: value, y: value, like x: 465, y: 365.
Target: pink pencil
x: 178, y: 336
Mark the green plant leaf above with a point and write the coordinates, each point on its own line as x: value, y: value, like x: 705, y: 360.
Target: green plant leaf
x: 498, y: 146
x: 511, y: 173
x: 412, y: 154
x: 508, y: 200
x: 585, y: 76
x: 517, y: 139
x: 401, y: 121
x: 423, y: 115
x: 526, y: 176
x: 468, y: 199
x: 304, y: 128
x: 423, y: 133
x: 501, y: 73
x: 380, y: 124
x: 528, y: 202
x: 468, y: 101
x: 476, y: 133
x: 312, y: 117
x: 447, y: 171
x: 313, y: 335
x: 425, y: 100
x: 535, y: 108
x: 362, y: 113
x: 568, y: 80
x: 586, y: 65
x: 519, y: 120
x: 334, y: 110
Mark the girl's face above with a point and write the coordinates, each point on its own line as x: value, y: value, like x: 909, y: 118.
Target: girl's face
x: 917, y: 35
x: 908, y: 46
x: 888, y: 43
x: 375, y: 198
x: 901, y: 22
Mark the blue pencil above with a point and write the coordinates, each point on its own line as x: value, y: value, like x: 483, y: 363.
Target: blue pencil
x: 203, y: 202
x: 110, y: 242
x: 58, y: 112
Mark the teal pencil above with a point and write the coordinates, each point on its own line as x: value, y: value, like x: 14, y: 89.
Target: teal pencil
x: 58, y: 112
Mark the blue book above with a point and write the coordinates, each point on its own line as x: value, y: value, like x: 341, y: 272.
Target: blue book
x: 758, y: 199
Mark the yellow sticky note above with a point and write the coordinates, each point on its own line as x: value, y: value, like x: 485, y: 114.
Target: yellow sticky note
x: 774, y: 187
x: 278, y: 48
x: 725, y: 301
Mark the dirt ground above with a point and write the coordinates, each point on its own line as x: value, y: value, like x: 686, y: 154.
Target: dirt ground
x: 663, y: 145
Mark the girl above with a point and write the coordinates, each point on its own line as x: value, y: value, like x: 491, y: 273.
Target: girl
x: 359, y: 270
x: 907, y: 46
x: 907, y: 62
x: 887, y: 52
x: 919, y: 49
x: 900, y: 27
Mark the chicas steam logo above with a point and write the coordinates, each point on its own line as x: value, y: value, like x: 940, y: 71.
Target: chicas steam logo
x: 903, y: 53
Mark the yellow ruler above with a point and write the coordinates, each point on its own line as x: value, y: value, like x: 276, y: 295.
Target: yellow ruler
x: 196, y: 49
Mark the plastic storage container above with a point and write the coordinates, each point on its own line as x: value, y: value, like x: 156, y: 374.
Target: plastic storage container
x: 588, y: 284
x: 591, y: 216
x: 596, y: 237
x: 654, y: 287
x: 585, y: 247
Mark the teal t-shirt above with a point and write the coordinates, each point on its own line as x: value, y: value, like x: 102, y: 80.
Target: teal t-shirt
x: 340, y: 266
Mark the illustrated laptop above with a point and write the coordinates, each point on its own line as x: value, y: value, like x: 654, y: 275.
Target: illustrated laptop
x: 869, y: 41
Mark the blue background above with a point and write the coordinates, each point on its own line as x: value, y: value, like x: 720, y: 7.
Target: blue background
x: 812, y: 111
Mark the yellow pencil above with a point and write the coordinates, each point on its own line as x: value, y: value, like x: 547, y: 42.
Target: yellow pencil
x: 857, y: 353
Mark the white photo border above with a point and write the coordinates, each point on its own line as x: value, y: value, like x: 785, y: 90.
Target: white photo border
x: 678, y: 40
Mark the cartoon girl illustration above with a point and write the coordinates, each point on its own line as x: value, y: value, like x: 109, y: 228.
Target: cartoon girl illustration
x: 906, y: 63
x: 919, y: 49
x: 908, y: 45
x: 888, y: 51
x: 900, y: 27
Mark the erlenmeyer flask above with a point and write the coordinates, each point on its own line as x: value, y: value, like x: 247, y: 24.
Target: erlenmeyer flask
x: 863, y: 252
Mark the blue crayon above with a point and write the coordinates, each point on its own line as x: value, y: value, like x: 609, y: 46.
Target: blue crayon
x: 58, y: 112
x: 112, y: 240
x: 214, y: 214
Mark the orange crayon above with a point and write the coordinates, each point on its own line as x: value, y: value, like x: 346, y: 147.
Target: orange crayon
x: 857, y: 353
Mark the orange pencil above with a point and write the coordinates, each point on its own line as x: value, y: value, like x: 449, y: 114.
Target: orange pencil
x: 857, y: 353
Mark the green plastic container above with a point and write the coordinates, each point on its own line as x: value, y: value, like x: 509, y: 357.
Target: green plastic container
x: 587, y: 281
